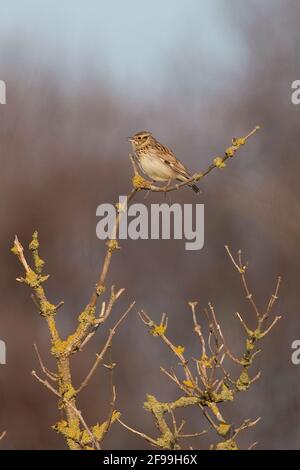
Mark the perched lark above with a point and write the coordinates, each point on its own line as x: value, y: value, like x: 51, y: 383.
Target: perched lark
x: 157, y: 161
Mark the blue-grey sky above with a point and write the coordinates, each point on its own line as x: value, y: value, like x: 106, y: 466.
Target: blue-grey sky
x: 132, y: 41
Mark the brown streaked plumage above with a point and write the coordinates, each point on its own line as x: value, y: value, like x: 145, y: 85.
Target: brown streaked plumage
x: 157, y: 161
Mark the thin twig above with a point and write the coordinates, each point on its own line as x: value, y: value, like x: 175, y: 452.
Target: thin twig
x: 253, y: 445
x: 113, y: 399
x: 276, y: 319
x: 245, y: 425
x: 46, y: 384
x: 138, y: 433
x: 218, y: 328
x: 196, y: 434
x: 248, y: 331
x: 107, y: 344
x: 46, y: 371
x: 273, y: 298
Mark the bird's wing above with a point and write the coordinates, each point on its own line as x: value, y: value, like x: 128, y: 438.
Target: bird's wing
x: 169, y: 158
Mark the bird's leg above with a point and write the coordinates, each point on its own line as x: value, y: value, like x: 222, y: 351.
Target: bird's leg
x: 167, y: 185
x: 147, y: 192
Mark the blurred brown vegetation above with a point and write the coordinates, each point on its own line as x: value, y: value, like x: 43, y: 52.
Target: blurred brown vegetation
x: 64, y: 151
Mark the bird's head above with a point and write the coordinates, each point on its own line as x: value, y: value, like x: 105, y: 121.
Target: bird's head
x: 140, y: 140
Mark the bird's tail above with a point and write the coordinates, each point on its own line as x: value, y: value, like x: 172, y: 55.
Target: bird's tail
x: 195, y: 188
x: 192, y: 185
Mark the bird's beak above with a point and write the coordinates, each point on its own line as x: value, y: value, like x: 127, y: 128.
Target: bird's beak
x: 130, y: 139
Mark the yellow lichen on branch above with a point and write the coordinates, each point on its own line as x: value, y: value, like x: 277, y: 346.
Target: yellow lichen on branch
x: 140, y: 183
x: 206, y: 382
x: 77, y: 433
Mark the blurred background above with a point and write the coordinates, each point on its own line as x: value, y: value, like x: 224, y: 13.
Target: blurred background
x: 81, y: 77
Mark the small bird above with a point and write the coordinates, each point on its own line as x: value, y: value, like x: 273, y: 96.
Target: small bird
x: 157, y: 161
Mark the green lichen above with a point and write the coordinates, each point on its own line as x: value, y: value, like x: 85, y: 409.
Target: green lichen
x: 243, y: 381
x: 152, y: 403
x: 14, y: 250
x: 100, y: 290
x: 38, y: 262
x: 219, y: 163
x: 223, y: 429
x: 230, y: 444
x: 182, y: 402
x: 226, y: 394
x: 87, y: 315
x: 230, y: 152
x: 32, y: 279
x: 167, y: 441
x: 86, y: 318
x: 257, y: 334
x: 158, y: 330
x: 59, y: 347
x: 68, y: 391
x: 71, y: 431
x: 113, y: 245
x: 138, y: 182
x: 238, y: 142
x: 99, y: 430
x: 34, y: 246
x: 250, y: 344
x: 47, y: 309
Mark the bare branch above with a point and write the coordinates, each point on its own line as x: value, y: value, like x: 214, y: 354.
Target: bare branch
x: 276, y: 319
x: 197, y: 327
x: 218, y: 328
x: 253, y: 445
x: 196, y: 434
x: 19, y: 251
x: 248, y: 331
x: 46, y: 371
x: 245, y: 425
x: 242, y: 269
x: 104, y: 349
x: 45, y: 383
x: 138, y: 433
x: 273, y: 298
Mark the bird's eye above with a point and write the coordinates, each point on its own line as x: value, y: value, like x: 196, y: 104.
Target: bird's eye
x: 139, y: 137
